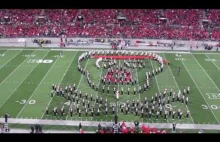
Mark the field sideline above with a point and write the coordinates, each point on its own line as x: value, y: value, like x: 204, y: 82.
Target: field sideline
x: 27, y: 76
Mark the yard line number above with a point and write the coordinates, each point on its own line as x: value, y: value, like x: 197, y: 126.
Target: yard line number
x: 213, y: 95
x: 210, y: 60
x: 39, y: 61
x: 31, y: 102
x: 214, y: 107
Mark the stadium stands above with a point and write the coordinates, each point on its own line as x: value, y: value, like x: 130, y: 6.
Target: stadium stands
x: 128, y: 23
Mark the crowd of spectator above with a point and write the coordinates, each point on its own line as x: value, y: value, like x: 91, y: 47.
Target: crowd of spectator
x: 128, y: 23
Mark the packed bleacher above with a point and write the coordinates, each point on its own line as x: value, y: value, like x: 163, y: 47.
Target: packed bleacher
x: 99, y: 23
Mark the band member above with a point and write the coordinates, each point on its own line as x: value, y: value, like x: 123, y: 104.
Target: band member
x: 62, y: 92
x: 66, y: 88
x: 165, y: 115
x: 180, y: 116
x: 168, y: 100
x: 145, y: 87
x: 103, y: 89
x: 187, y: 114
x: 97, y: 87
x: 173, y: 115
x: 68, y: 96
x: 92, y: 113
x: 145, y: 100
x: 74, y: 86
x: 142, y: 113
x: 91, y: 98
x: 77, y: 108
x: 183, y: 98
x: 52, y: 92
x: 76, y: 93
x: 128, y: 91
x: 86, y: 96
x: 136, y: 111
x: 106, y: 111
x: 121, y: 108
x: 155, y: 97
x: 170, y: 111
x: 108, y: 90
x: 187, y: 92
x: 140, y: 89
x: 152, y: 109
x: 71, y: 91
x: 113, y: 110
x: 178, y: 113
x: 83, y: 101
x: 55, y: 111
x: 100, y: 100
x: 77, y: 100
x: 93, y: 85
x: 97, y: 99
x: 73, y: 98
x: 134, y: 90
x: 173, y: 97
x: 79, y: 113
x: 187, y: 99
x: 71, y: 112
x: 160, y: 110
x: 47, y: 111
x: 53, y: 87
x: 122, y: 90
x: 86, y: 111
x: 88, y: 104
x: 171, y: 92
x: 98, y: 112
x: 150, y: 114
x: 157, y: 115
x: 184, y: 92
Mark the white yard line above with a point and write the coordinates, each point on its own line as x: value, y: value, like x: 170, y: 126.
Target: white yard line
x: 80, y: 80
x: 59, y: 83
x: 213, y: 62
x: 20, y: 83
x: 37, y: 87
x: 157, y: 83
x: 178, y: 88
x: 199, y: 90
x: 10, y: 59
x: 206, y: 72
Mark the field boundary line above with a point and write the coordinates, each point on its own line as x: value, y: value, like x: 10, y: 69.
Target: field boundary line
x: 199, y: 90
x: 96, y: 123
x: 88, y: 49
x: 80, y: 80
x: 21, y: 82
x: 206, y: 73
x: 155, y: 76
x: 178, y: 88
x: 10, y: 59
x: 37, y: 87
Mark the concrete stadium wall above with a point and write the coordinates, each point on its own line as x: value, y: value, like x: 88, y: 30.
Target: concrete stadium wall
x: 55, y: 43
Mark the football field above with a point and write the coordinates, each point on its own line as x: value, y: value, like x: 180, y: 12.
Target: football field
x: 26, y: 77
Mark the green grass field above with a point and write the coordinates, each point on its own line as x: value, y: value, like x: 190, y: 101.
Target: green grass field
x: 25, y: 84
